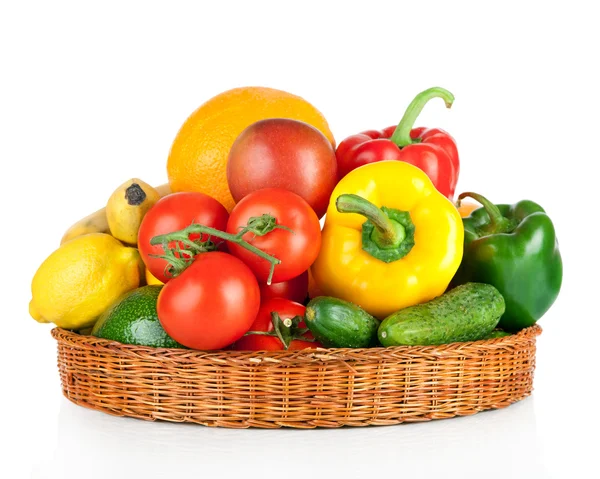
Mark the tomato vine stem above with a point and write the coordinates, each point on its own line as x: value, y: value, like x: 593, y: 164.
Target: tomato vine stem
x: 286, y: 330
x: 180, y: 255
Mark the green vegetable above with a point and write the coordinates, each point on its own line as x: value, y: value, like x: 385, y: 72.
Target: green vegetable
x: 336, y: 323
x: 496, y: 333
x: 467, y: 313
x: 514, y: 248
x: 133, y: 319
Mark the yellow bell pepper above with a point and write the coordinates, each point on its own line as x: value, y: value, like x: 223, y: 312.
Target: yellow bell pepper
x: 405, y: 253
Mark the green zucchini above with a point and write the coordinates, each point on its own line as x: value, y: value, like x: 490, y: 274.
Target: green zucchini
x: 466, y: 313
x: 336, y: 323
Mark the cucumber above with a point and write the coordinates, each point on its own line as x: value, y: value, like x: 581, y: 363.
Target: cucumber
x: 466, y: 313
x: 336, y: 323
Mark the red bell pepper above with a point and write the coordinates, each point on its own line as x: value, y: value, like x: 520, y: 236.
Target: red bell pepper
x: 431, y: 149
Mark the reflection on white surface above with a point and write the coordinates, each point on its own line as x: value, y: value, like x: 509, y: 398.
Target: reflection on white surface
x: 490, y: 444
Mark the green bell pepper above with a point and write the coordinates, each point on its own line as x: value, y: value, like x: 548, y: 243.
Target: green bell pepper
x: 514, y: 248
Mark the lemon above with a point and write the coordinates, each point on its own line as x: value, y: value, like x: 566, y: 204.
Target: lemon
x: 81, y: 279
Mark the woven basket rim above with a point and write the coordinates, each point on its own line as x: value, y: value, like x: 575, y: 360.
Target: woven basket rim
x: 299, y: 389
x: 344, y: 354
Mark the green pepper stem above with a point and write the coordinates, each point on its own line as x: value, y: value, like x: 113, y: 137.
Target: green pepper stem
x: 259, y: 225
x: 401, y: 135
x: 388, y: 233
x: 497, y: 221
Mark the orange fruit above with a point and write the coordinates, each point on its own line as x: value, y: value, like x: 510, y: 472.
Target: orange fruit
x: 467, y: 207
x: 198, y: 157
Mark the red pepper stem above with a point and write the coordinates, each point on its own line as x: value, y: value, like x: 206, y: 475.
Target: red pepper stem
x: 389, y: 233
x: 401, y: 135
x: 496, y: 218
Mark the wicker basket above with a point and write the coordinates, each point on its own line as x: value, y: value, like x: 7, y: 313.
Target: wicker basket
x: 300, y: 389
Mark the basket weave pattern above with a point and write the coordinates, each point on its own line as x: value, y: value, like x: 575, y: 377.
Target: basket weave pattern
x: 301, y: 389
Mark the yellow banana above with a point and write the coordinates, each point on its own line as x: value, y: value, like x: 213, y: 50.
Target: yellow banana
x: 97, y: 222
x: 94, y: 223
x: 126, y: 208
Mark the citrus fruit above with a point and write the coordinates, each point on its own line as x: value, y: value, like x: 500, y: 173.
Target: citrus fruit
x: 151, y: 279
x: 133, y: 319
x: 80, y: 279
x: 198, y: 157
x: 466, y: 207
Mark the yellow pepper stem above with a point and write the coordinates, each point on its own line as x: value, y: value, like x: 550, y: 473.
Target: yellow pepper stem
x: 388, y: 234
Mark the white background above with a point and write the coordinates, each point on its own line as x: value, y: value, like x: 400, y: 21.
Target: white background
x: 93, y: 93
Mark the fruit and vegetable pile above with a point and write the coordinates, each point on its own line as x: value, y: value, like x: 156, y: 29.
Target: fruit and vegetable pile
x: 268, y: 237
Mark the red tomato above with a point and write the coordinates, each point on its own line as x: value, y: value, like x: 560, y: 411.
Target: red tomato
x: 263, y: 322
x: 211, y: 304
x: 172, y: 213
x: 297, y: 250
x: 295, y: 289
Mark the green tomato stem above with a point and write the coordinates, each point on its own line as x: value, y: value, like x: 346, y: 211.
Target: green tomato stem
x: 286, y: 330
x: 260, y: 226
